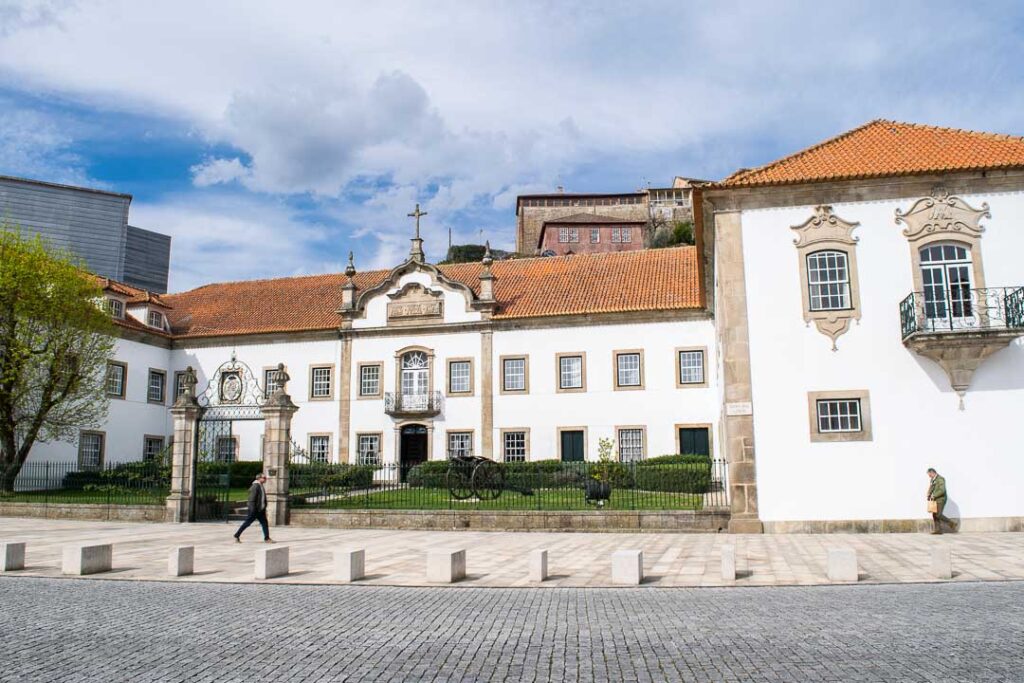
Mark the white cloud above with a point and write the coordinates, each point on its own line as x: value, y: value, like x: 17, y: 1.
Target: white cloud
x: 218, y: 171
x: 37, y: 146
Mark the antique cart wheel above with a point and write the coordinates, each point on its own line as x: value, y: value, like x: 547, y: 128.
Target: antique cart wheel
x: 488, y: 480
x: 459, y: 482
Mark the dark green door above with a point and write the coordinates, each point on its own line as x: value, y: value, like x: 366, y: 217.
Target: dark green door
x: 694, y: 441
x: 572, y: 446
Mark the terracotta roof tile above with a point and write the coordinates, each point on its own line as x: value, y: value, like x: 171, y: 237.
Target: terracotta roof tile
x: 647, y: 280
x: 887, y: 148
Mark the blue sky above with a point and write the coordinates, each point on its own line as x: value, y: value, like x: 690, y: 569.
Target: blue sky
x: 271, y: 138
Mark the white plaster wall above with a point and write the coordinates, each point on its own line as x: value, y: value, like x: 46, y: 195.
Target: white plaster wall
x: 916, y: 421
x: 659, y: 406
x: 454, y: 309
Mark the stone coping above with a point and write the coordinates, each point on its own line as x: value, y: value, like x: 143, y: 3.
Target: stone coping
x: 85, y: 511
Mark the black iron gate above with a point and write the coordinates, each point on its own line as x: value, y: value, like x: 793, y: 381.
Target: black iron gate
x: 215, y: 455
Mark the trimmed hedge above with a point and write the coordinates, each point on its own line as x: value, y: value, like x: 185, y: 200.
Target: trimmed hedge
x: 430, y: 474
x: 674, y: 473
x: 320, y: 476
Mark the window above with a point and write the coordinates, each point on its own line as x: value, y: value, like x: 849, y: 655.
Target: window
x: 179, y: 385
x: 622, y: 235
x: 320, y: 382
x: 690, y: 366
x: 595, y: 235
x: 627, y: 234
x: 460, y: 444
x: 828, y: 280
x: 946, y: 281
x: 90, y: 450
x: 117, y: 375
x: 514, y: 445
x: 116, y: 308
x: 628, y: 370
x: 460, y: 376
x: 319, y: 448
x: 369, y: 380
x: 839, y: 415
x: 156, y: 386
x: 514, y: 374
x: 415, y: 380
x: 227, y: 449
x: 156, y: 319
x: 570, y: 372
x: 270, y: 382
x: 566, y: 235
x: 152, y: 447
x: 368, y: 449
x: 631, y: 444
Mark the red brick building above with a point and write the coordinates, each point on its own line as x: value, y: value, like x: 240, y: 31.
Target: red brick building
x: 589, y: 233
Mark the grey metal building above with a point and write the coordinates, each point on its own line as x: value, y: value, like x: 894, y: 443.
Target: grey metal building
x: 92, y: 224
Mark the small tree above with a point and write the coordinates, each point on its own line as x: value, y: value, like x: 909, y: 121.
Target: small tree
x: 55, y: 341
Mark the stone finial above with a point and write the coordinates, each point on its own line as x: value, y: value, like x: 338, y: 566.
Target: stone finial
x: 487, y: 259
x: 188, y: 385
x: 348, y: 290
x: 487, y: 277
x: 350, y: 269
x: 281, y: 378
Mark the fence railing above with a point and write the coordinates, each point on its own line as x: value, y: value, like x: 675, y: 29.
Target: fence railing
x: 134, y: 483
x: 428, y: 403
x: 657, y: 484
x: 958, y: 309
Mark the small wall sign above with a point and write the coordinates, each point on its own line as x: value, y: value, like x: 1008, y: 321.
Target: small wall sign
x: 744, y: 408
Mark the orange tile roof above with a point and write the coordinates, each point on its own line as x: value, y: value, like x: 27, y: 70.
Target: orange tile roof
x: 887, y: 148
x: 647, y: 280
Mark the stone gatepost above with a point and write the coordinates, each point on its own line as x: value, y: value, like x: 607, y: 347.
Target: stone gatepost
x: 185, y: 413
x: 277, y: 438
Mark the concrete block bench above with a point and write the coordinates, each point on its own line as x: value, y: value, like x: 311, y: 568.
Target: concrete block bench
x: 942, y: 563
x: 12, y: 556
x: 628, y: 567
x: 728, y: 563
x: 80, y: 560
x: 349, y: 564
x: 538, y: 565
x: 181, y: 561
x: 446, y: 566
x: 842, y: 565
x: 272, y: 562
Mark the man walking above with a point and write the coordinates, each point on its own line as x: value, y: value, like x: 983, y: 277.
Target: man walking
x: 937, y: 501
x: 257, y: 509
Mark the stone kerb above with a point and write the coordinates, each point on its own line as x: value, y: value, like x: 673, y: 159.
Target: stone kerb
x: 79, y: 560
x: 12, y: 556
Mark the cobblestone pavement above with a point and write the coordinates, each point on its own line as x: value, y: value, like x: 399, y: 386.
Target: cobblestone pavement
x: 76, y: 630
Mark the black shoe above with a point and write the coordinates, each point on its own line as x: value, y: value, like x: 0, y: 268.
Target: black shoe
x: 237, y: 539
x: 268, y: 540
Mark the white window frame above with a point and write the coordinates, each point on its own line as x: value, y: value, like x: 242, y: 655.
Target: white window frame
x: 567, y: 371
x: 116, y: 308
x: 368, y: 449
x: 147, y: 441
x: 468, y: 377
x: 163, y: 386
x: 319, y: 386
x: 321, y: 452
x: 219, y: 452
x: 568, y: 235
x: 99, y: 451
x: 836, y: 410
x: 123, y: 367
x: 270, y: 384
x: 460, y: 443
x: 620, y: 356
x: 632, y: 443
x: 158, y: 317
x: 595, y: 235
x: 524, y: 385
x: 520, y: 441
x: 835, y: 287
x: 681, y: 366
x: 379, y: 369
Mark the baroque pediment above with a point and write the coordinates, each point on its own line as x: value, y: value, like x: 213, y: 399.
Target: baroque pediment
x: 824, y: 226
x: 414, y: 301
x: 942, y: 213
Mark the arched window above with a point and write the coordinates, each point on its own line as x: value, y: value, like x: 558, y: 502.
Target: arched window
x: 946, y: 281
x: 415, y: 377
x: 828, y: 280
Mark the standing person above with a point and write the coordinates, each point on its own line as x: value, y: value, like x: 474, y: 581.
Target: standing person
x: 937, y: 495
x: 257, y: 509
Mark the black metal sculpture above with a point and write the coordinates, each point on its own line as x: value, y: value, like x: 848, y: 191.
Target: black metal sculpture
x: 471, y: 475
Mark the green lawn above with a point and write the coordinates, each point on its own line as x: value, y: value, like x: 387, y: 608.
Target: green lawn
x: 543, y: 499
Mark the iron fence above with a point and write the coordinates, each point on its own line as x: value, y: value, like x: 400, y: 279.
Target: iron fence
x: 133, y: 483
x: 673, y: 483
x: 959, y: 309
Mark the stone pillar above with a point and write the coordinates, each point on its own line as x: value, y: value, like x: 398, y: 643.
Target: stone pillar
x: 487, y: 394
x: 345, y: 401
x: 185, y: 414
x: 277, y: 438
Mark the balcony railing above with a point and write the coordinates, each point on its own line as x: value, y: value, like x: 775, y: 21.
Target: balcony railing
x: 996, y: 309
x: 428, y: 403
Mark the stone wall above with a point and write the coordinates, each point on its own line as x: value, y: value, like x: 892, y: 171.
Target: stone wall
x: 90, y: 512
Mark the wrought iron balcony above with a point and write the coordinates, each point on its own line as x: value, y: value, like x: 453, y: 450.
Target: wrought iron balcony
x: 412, y: 405
x: 952, y: 310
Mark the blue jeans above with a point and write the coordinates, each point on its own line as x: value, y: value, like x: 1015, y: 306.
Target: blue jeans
x: 255, y: 515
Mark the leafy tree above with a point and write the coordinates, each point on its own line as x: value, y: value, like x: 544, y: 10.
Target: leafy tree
x: 669, y: 234
x: 55, y: 341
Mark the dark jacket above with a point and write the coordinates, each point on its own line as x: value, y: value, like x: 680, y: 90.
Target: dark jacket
x: 937, y: 489
x: 257, y: 498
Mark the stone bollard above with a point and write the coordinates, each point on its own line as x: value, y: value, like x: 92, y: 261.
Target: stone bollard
x: 538, y: 565
x: 12, y: 556
x: 842, y: 565
x: 942, y: 563
x: 628, y: 567
x: 728, y: 563
x: 181, y: 561
x: 272, y: 562
x: 349, y: 564
x: 80, y: 560
x: 446, y: 566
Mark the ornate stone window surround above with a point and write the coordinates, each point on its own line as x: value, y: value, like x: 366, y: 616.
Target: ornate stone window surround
x: 398, y: 367
x: 526, y: 374
x: 330, y: 380
x: 861, y: 395
x: 472, y: 377
x: 526, y: 441
x: 582, y: 355
x: 824, y: 231
x: 380, y: 380
x: 615, y: 370
x: 679, y: 350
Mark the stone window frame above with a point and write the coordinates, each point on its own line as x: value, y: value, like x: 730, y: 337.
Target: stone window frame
x: 309, y: 445
x: 862, y: 395
x: 679, y: 369
x: 237, y: 448
x: 526, y: 442
x: 643, y: 441
x: 103, y: 447
x: 577, y: 428
x: 359, y: 380
x: 268, y: 373
x: 448, y: 444
x: 448, y: 376
x: 398, y: 368
x: 380, y: 448
x: 525, y: 357
x: 595, y: 235
x: 695, y: 425
x: 124, y: 380
x: 571, y: 235
x: 615, y: 370
x: 146, y: 438
x: 825, y: 231
x: 330, y: 381
x: 179, y: 388
x: 163, y: 386
x: 582, y: 388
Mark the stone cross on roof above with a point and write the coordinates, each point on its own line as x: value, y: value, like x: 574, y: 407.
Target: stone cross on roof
x: 416, y: 252
x: 416, y: 214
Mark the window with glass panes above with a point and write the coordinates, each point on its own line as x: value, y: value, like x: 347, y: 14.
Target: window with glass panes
x: 616, y: 235
x: 631, y: 444
x: 156, y: 319
x: 152, y: 446
x: 319, y: 448
x: 828, y: 280
x: 691, y: 367
x: 514, y: 447
x: 627, y: 234
x: 595, y: 235
x: 115, y: 307
x: 368, y: 449
x: 459, y: 377
x: 566, y: 235
x: 320, y: 382
x: 155, y: 390
x: 514, y: 374
x: 839, y: 415
x: 460, y: 444
x: 570, y: 372
x: 270, y: 381
x: 90, y: 450
x: 179, y: 385
x: 227, y: 449
x: 628, y: 369
x: 116, y: 379
x: 369, y: 380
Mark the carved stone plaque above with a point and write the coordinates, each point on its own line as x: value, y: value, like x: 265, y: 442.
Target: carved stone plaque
x: 414, y: 302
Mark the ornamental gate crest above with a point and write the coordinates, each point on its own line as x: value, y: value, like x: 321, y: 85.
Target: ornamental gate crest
x: 235, y: 393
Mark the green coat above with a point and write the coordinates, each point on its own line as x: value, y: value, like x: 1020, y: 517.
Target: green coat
x: 937, y: 490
